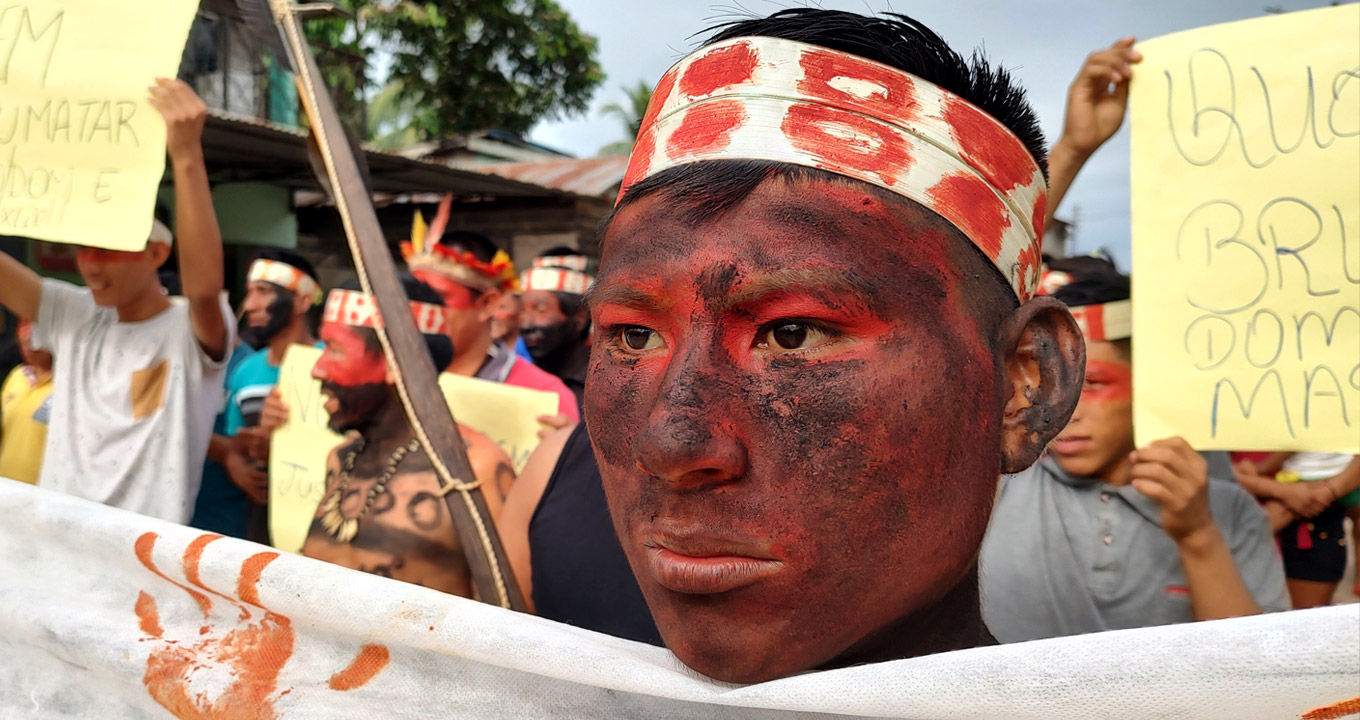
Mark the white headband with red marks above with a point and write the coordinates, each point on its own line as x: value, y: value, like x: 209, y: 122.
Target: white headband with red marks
x: 1105, y: 321
x: 758, y: 98
x: 578, y: 263
x: 353, y: 308
x: 556, y: 279
x: 285, y: 276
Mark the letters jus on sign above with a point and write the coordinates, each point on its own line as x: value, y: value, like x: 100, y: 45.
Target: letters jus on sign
x: 1247, y: 234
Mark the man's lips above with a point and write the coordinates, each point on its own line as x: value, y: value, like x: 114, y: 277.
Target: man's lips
x: 707, y: 566
x: 1070, y: 445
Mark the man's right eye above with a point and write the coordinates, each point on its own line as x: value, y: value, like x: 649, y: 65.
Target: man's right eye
x: 638, y: 338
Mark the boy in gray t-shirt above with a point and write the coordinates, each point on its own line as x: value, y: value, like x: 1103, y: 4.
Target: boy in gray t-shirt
x: 1101, y: 535
x: 138, y: 376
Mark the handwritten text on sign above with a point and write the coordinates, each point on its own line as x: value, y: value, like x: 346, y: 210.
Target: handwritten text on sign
x: 81, y: 151
x: 1246, y: 234
x: 299, y: 448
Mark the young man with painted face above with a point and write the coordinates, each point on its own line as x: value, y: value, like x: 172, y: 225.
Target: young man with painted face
x: 383, y: 512
x: 556, y: 326
x: 470, y: 273
x: 820, y: 272
x: 138, y: 376
x: 1101, y: 535
x: 281, y: 289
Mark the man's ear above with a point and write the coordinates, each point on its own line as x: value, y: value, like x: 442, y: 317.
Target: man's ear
x: 487, y: 303
x: 302, y: 303
x: 159, y: 252
x: 1043, y: 364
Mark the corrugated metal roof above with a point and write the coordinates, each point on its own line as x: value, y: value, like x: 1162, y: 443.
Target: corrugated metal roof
x: 582, y: 176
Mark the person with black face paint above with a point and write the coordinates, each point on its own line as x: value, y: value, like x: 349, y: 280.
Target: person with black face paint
x: 281, y: 289
x: 555, y: 325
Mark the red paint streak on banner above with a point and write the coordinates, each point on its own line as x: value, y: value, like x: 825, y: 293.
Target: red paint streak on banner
x: 894, y: 99
x: 987, y: 146
x: 724, y: 67
x: 846, y: 143
x: 143, y: 547
x: 706, y: 128
x: 1335, y: 711
x: 366, y: 665
x: 972, y: 206
x: 148, y: 617
x: 251, y: 569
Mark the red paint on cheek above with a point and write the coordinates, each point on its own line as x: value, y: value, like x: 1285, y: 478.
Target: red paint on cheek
x: 874, y: 91
x: 347, y: 361
x: 845, y: 139
x: 1106, y: 381
x: 979, y: 212
x: 988, y: 147
x: 731, y: 65
x: 706, y: 128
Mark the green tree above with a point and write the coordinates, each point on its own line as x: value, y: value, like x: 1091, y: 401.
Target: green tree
x: 338, y: 44
x: 475, y: 64
x: 630, y: 114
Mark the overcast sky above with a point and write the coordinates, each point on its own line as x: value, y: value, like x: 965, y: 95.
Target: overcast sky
x: 1042, y: 41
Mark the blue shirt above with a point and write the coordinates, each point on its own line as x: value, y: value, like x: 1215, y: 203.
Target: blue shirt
x: 221, y: 506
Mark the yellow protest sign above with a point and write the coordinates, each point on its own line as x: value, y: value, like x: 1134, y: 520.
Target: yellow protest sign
x: 1246, y: 234
x: 299, y: 448
x: 81, y: 151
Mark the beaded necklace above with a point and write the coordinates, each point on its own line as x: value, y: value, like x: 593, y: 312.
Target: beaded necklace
x: 344, y: 529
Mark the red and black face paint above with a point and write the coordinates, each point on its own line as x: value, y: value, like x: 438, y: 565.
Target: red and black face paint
x: 792, y: 410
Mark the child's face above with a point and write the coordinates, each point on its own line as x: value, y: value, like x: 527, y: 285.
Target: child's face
x: 1100, y: 434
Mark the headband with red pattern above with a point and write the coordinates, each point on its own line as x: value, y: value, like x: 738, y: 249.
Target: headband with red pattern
x: 579, y: 263
x: 556, y: 279
x: 759, y: 98
x: 349, y: 307
x: 1101, y: 321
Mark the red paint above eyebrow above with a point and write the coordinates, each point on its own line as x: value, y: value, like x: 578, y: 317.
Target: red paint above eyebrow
x: 731, y: 65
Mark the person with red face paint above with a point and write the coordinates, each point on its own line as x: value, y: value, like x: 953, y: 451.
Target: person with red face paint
x: 471, y: 274
x: 1102, y: 535
x: 383, y: 511
x: 820, y: 272
x: 556, y: 326
x: 138, y: 376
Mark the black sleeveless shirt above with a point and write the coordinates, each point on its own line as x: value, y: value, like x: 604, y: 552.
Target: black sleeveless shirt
x: 580, y: 574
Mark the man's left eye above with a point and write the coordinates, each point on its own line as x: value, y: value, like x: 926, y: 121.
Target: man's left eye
x: 792, y: 335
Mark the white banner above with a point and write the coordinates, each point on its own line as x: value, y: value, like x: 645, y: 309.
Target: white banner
x: 106, y: 614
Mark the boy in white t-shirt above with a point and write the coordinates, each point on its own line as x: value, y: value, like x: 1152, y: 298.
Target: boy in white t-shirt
x: 138, y: 377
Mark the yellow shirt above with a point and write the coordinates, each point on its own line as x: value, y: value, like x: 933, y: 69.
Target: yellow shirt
x: 24, y: 411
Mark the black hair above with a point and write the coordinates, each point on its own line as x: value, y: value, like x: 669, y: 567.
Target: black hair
x: 440, y: 346
x: 479, y: 245
x: 705, y: 190
x: 288, y: 257
x: 1095, y: 280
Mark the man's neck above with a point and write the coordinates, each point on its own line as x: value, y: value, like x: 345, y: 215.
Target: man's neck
x: 145, y: 306
x: 468, y: 362
x: 294, y: 333
x: 567, y: 362
x: 387, y: 430
x: 952, y: 623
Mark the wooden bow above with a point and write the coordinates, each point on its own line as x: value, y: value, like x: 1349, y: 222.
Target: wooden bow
x: 416, y: 377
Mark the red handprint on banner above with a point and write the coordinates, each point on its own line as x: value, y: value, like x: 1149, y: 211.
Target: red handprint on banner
x: 247, y: 654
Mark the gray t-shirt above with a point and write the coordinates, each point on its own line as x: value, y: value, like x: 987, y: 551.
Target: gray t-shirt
x: 133, y: 403
x: 1066, y: 556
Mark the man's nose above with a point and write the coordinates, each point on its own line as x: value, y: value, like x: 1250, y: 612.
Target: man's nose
x: 691, y: 437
